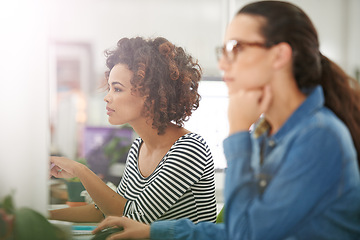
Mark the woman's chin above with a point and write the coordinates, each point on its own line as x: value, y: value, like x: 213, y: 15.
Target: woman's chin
x: 112, y: 122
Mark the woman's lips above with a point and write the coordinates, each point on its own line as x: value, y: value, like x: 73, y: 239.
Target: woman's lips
x: 109, y: 110
x: 227, y: 79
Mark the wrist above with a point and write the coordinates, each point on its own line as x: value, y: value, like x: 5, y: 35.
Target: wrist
x: 79, y: 170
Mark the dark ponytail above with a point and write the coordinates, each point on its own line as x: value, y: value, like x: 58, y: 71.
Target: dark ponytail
x: 342, y: 96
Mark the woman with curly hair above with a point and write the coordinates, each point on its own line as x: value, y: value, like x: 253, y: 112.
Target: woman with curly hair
x: 296, y: 175
x: 169, y: 174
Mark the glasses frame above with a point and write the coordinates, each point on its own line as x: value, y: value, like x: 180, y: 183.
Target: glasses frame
x: 232, y: 47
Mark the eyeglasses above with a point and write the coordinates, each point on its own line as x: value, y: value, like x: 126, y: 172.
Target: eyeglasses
x: 233, y: 47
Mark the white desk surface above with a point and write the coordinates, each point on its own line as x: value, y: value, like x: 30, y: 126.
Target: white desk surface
x: 66, y: 226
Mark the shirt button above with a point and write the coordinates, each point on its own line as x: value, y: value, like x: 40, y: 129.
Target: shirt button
x: 271, y: 143
x: 263, y: 183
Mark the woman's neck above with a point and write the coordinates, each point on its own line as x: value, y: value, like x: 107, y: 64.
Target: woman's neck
x: 154, y: 141
x: 286, y: 99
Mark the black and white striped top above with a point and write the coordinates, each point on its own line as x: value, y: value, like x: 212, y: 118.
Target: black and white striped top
x: 181, y: 186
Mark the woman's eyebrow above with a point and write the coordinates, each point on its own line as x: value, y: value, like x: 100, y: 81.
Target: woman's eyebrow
x: 114, y: 83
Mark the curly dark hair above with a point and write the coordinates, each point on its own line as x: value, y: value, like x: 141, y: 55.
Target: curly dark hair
x: 286, y: 22
x: 164, y: 74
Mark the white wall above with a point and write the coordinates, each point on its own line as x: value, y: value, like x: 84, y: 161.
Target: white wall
x: 195, y: 25
x: 24, y: 103
x: 353, y: 50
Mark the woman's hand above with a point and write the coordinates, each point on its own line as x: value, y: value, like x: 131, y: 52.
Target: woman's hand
x: 132, y: 229
x: 63, y: 167
x: 246, y: 106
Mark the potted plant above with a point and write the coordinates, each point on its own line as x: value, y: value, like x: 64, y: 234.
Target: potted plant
x: 25, y: 223
x: 74, y: 189
x: 116, y: 150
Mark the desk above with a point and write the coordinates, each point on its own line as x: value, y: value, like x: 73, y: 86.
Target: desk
x: 68, y: 226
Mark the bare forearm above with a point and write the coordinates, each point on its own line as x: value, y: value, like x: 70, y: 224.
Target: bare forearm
x: 105, y: 198
x: 86, y: 213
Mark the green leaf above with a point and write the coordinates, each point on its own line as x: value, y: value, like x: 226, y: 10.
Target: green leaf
x: 29, y: 224
x: 3, y: 227
x: 74, y: 179
x: 82, y: 161
x: 220, y: 216
x: 114, y: 150
x: 7, y: 204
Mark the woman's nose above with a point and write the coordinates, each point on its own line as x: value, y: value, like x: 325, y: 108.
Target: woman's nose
x: 107, y: 98
x: 222, y: 63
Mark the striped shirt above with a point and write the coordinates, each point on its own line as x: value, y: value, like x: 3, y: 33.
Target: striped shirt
x: 181, y: 186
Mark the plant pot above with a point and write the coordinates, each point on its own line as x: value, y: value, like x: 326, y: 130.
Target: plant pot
x: 74, y: 190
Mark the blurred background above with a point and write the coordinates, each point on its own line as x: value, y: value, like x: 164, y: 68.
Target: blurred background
x: 52, y: 64
x: 80, y: 31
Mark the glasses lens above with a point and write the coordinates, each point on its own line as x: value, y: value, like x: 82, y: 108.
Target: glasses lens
x: 230, y: 45
x: 228, y: 51
x: 231, y: 50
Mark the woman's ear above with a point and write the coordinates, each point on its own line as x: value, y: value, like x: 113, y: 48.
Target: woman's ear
x: 283, y: 55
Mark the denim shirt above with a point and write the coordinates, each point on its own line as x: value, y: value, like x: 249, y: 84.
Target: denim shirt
x: 300, y: 183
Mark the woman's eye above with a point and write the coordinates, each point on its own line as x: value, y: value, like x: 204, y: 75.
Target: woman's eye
x: 117, y: 89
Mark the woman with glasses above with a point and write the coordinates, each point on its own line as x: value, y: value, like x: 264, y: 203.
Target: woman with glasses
x: 296, y: 174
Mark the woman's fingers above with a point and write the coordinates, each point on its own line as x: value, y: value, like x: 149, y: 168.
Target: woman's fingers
x: 59, y: 173
x: 60, y: 166
x: 243, y: 109
x: 132, y: 229
x: 246, y: 106
x: 109, y: 222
